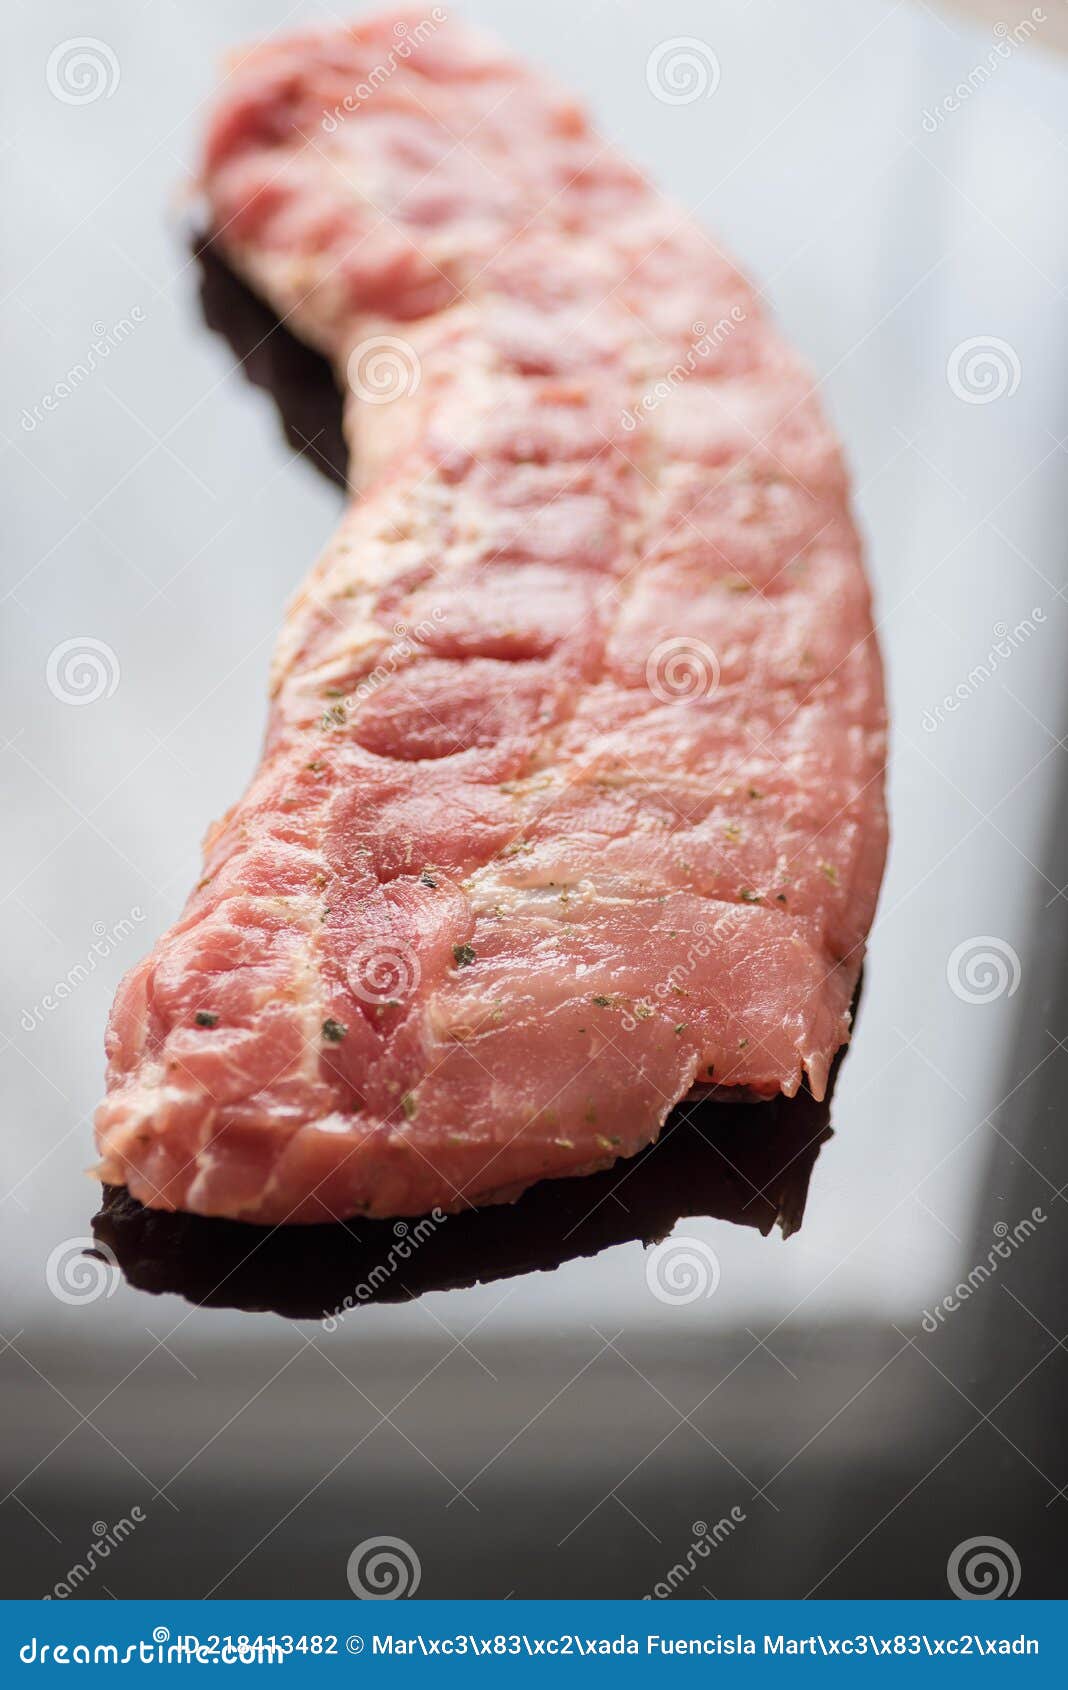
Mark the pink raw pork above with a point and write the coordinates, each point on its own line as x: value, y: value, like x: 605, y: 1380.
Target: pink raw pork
x: 572, y: 794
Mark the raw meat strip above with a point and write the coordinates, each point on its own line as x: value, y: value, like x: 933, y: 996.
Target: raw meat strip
x: 571, y: 799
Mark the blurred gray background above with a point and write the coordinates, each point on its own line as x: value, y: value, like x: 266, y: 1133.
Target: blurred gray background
x: 911, y: 239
